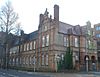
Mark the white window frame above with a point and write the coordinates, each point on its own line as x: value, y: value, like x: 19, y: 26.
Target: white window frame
x: 43, y: 41
x: 45, y: 28
x: 43, y: 59
x: 27, y: 46
x: 47, y: 59
x: 47, y: 40
x: 65, y: 41
x: 30, y: 45
x: 27, y: 60
x: 34, y: 47
x: 24, y: 47
x: 34, y: 60
x: 76, y: 42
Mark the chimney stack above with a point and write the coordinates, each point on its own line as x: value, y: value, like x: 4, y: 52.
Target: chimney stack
x: 56, y: 12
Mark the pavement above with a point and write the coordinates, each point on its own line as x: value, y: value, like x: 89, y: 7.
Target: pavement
x: 62, y: 74
x: 17, y: 73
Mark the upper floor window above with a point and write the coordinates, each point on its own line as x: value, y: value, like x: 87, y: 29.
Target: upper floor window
x: 68, y: 42
x: 24, y: 47
x: 98, y: 28
x: 34, y: 45
x: 47, y: 40
x: 65, y: 41
x: 30, y: 45
x: 45, y: 28
x: 20, y: 47
x: 76, y: 42
x: 43, y: 41
x: 27, y: 46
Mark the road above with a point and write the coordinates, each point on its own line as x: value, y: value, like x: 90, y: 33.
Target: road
x: 15, y: 73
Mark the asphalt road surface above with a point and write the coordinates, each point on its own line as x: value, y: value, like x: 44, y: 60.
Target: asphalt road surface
x: 15, y: 73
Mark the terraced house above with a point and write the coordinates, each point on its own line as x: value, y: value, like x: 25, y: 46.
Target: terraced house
x: 42, y: 49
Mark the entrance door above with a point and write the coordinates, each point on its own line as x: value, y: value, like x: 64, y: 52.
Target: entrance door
x: 93, y: 60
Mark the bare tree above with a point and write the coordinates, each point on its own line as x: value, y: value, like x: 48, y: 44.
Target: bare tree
x: 17, y: 30
x: 8, y: 24
x: 8, y: 18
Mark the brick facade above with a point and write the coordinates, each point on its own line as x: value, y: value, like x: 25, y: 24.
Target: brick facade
x: 51, y: 42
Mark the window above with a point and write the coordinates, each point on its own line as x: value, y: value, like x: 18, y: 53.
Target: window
x: 43, y: 41
x: 30, y: 60
x: 45, y: 28
x: 39, y: 59
x: 46, y: 59
x: 62, y: 56
x: 76, y: 42
x: 20, y: 47
x: 27, y: 46
x: 13, y: 61
x: 42, y: 59
x: 27, y: 60
x: 89, y: 42
x: 98, y: 35
x: 98, y: 28
x: 30, y: 45
x: 20, y: 60
x: 34, y: 60
x: 47, y: 40
x: 89, y: 33
x: 16, y: 61
x: 34, y: 44
x: 10, y: 61
x: 65, y: 41
x: 24, y: 60
x: 24, y: 47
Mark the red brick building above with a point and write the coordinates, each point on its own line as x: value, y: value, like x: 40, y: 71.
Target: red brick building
x: 40, y: 50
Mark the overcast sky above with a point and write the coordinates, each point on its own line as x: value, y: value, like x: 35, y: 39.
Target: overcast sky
x: 71, y: 11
